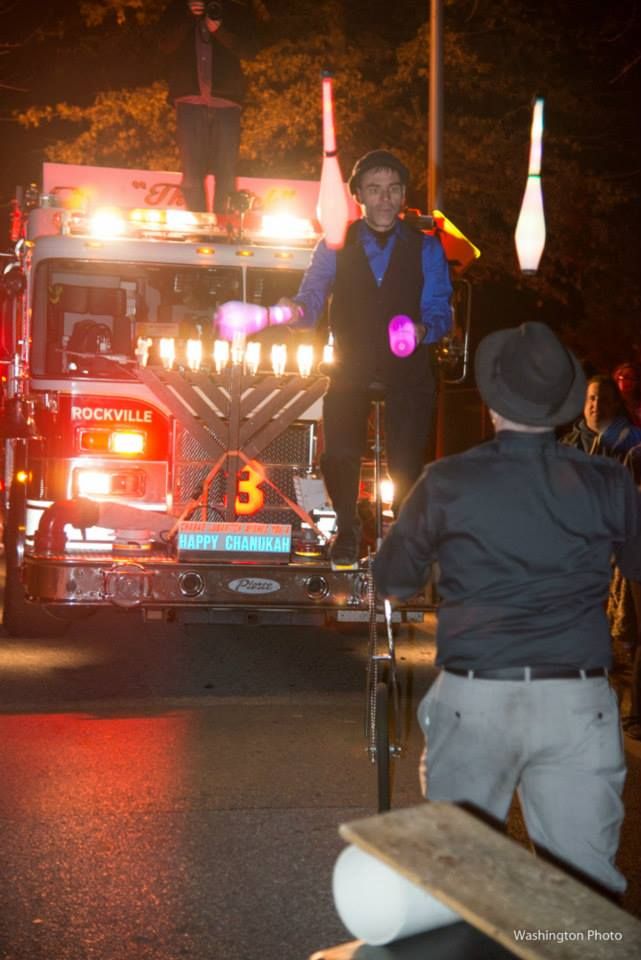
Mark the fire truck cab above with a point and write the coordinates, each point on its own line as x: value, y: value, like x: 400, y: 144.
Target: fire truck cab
x: 146, y: 464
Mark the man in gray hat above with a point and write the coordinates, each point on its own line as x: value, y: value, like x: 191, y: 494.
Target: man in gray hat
x: 523, y: 530
x: 385, y: 269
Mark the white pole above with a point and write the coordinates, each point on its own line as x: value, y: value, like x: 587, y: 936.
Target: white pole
x: 435, y: 141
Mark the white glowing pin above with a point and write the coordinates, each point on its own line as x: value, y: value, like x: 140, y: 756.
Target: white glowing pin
x: 333, y: 211
x: 529, y: 235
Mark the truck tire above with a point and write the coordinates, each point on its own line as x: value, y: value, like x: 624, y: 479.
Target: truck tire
x: 23, y: 619
x: 19, y: 617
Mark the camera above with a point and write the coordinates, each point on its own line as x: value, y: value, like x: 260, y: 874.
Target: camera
x: 214, y: 10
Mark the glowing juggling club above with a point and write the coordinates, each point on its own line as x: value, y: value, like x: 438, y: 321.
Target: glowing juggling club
x: 530, y: 228
x: 332, y: 206
x: 402, y: 336
x: 235, y: 317
x: 278, y: 314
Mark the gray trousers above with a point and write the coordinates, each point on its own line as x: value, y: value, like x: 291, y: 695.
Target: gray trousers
x: 556, y: 742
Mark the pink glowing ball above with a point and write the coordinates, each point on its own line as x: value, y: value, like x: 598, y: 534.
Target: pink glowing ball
x: 402, y: 336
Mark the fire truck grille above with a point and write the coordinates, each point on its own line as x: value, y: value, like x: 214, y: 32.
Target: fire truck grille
x: 285, y: 457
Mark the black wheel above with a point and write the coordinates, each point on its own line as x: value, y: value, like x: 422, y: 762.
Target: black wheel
x: 23, y: 619
x: 382, y: 747
x: 19, y: 617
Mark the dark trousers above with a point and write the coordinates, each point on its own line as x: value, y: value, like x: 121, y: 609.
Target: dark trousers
x: 208, y: 140
x: 408, y: 422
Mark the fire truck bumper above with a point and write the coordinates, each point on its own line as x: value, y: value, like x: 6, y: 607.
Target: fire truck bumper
x: 159, y: 586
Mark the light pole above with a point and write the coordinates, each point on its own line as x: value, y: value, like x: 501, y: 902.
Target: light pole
x: 435, y: 132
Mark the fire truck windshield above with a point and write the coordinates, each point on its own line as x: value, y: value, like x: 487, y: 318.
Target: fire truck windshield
x: 89, y: 318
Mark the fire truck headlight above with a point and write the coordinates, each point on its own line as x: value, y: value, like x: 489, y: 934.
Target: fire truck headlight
x: 108, y: 483
x: 92, y: 483
x: 127, y: 442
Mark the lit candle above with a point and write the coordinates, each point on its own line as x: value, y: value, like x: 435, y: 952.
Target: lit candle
x: 279, y: 358
x: 252, y: 357
x: 305, y: 359
x: 143, y: 345
x: 221, y: 354
x: 237, y: 347
x: 167, y: 349
x: 194, y: 354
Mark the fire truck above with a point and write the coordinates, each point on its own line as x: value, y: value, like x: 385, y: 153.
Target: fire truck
x: 146, y: 464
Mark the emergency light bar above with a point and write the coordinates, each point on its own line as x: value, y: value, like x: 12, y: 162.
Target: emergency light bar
x: 108, y: 223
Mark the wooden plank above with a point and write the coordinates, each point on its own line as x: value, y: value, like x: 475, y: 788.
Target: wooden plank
x: 346, y: 951
x: 166, y: 390
x: 458, y: 941
x: 255, y: 440
x: 213, y: 391
x: 496, y: 885
x: 288, y: 390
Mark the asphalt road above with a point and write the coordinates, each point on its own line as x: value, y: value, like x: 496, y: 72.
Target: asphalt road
x: 170, y: 793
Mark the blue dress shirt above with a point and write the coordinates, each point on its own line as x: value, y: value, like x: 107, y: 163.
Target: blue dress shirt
x: 437, y: 288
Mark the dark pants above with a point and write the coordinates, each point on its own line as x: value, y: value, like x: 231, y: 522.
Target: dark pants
x: 408, y: 421
x: 208, y: 140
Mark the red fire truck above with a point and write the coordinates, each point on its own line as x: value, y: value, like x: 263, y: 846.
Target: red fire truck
x: 146, y: 464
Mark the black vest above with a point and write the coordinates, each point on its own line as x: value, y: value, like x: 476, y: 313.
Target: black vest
x: 361, y: 311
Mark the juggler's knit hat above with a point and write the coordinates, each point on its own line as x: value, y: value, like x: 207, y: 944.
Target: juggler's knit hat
x: 372, y: 161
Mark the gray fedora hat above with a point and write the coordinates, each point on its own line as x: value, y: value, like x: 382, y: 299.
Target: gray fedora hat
x: 528, y: 376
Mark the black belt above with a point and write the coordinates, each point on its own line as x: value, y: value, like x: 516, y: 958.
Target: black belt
x: 529, y: 673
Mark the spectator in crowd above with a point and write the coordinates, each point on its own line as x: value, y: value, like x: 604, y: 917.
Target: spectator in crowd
x: 624, y: 613
x: 203, y: 45
x: 522, y: 529
x: 605, y: 427
x: 627, y: 377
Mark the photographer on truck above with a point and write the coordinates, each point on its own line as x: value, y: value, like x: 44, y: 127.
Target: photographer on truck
x: 203, y: 44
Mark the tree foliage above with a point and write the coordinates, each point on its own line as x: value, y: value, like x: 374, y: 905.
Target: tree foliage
x: 122, y: 128
x: 96, y: 12
x: 498, y: 54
